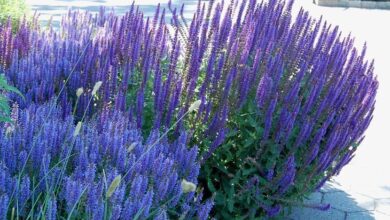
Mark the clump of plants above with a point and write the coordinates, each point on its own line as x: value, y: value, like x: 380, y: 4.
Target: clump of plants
x: 281, y: 105
x: 76, y: 147
x: 101, y: 169
x: 285, y: 103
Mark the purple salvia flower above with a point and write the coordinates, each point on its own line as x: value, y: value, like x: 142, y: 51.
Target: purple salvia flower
x: 4, y: 203
x: 288, y: 175
x: 263, y: 90
x: 51, y: 210
x: 312, y: 154
x: 218, y: 141
x: 23, y: 194
x: 268, y: 117
x: 271, y: 210
x: 204, y: 210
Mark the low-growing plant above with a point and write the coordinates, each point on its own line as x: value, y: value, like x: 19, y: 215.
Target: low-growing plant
x: 14, y: 44
x: 128, y: 54
x: 101, y: 169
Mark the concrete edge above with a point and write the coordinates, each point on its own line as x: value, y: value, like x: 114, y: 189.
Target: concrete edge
x: 353, y: 4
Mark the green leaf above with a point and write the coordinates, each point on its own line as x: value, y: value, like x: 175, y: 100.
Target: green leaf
x: 4, y: 107
x: 4, y: 86
x: 251, y: 170
x: 5, y: 119
x: 231, y: 198
x: 210, y: 185
x: 252, y: 122
x: 14, y: 90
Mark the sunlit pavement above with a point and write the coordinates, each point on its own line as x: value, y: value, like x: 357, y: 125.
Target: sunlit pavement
x: 362, y: 190
x: 367, y: 178
x: 55, y: 8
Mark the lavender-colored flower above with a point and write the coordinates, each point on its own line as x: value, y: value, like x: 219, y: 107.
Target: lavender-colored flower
x: 23, y: 194
x: 288, y: 175
x: 152, y: 171
x: 4, y: 203
x: 272, y: 210
x: 205, y: 209
x: 312, y: 91
x: 51, y: 209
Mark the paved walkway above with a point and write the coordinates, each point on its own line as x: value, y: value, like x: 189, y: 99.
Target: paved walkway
x: 345, y: 205
x: 56, y: 8
x: 362, y: 190
x: 365, y: 182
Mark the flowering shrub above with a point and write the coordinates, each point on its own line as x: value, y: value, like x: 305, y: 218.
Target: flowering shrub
x: 51, y: 168
x: 283, y: 103
x: 126, y: 53
x: 101, y: 169
x: 13, y: 43
x: 289, y: 100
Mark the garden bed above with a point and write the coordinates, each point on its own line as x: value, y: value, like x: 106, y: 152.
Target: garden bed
x: 377, y: 4
x: 239, y: 113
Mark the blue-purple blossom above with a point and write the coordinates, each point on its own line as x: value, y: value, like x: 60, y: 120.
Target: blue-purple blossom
x: 94, y: 158
x: 310, y: 90
x: 313, y: 92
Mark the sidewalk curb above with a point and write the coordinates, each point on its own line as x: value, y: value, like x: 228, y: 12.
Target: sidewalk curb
x: 353, y: 4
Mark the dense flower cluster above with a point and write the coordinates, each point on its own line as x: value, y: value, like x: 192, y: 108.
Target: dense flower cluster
x: 13, y: 43
x: 308, y: 93
x: 50, y: 167
x: 304, y: 67
x: 125, y: 53
x: 283, y: 104
x: 314, y: 95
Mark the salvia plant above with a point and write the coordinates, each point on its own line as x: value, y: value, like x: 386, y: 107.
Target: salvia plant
x: 12, y: 43
x: 129, y: 54
x: 51, y: 168
x: 283, y: 101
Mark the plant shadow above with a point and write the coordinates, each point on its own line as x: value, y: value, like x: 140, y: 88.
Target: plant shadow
x: 343, y: 206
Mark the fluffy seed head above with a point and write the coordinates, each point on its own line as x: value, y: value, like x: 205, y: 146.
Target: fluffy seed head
x: 79, y: 91
x: 96, y: 87
x: 195, y: 106
x: 187, y: 186
x: 113, y: 186
x: 77, y: 129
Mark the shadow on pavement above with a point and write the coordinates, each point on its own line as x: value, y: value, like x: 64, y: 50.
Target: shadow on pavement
x: 343, y: 207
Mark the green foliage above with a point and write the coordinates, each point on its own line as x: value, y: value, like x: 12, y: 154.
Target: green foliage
x: 244, y: 157
x: 14, y: 9
x: 5, y: 110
